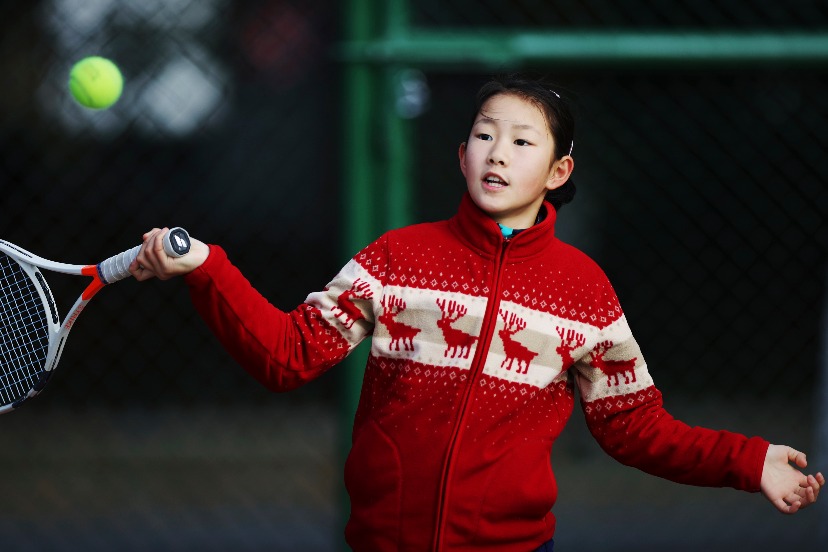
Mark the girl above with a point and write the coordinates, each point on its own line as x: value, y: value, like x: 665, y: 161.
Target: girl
x: 481, y: 327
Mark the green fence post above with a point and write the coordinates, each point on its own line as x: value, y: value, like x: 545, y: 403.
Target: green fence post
x: 376, y: 158
x: 360, y: 204
x: 396, y: 127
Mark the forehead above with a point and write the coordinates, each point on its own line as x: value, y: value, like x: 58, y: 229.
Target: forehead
x: 513, y: 110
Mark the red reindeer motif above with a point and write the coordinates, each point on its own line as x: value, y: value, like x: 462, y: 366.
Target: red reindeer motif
x: 457, y: 341
x: 392, y: 306
x: 345, y: 308
x: 612, y: 368
x: 514, y: 351
x: 570, y: 340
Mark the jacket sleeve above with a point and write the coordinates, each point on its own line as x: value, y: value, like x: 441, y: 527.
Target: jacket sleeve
x: 625, y: 413
x: 283, y: 350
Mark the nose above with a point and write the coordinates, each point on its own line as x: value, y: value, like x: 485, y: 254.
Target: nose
x: 498, y: 154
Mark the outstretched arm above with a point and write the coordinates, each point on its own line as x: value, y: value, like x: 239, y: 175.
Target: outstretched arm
x: 784, y: 485
x: 280, y: 349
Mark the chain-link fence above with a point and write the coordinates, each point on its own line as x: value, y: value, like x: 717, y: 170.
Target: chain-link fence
x: 701, y: 194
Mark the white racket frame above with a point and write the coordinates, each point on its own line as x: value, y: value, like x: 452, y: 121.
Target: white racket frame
x: 106, y: 272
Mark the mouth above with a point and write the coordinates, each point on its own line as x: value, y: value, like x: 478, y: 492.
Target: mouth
x: 491, y: 180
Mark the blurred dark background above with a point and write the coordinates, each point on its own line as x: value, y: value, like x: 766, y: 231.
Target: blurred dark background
x: 701, y: 192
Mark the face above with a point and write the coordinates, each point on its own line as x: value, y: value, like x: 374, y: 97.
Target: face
x: 508, y: 161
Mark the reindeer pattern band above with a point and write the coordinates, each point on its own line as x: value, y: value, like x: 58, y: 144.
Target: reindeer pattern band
x: 527, y: 346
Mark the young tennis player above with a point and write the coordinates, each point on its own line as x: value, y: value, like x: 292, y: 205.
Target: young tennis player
x: 481, y: 327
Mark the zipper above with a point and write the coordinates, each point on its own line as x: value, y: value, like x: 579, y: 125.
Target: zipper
x: 487, y: 331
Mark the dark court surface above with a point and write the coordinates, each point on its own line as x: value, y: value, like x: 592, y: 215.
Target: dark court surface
x: 269, y: 478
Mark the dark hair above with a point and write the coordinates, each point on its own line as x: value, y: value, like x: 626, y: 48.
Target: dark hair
x: 558, y: 117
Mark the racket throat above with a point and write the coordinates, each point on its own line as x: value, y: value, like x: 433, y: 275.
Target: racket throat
x: 94, y: 287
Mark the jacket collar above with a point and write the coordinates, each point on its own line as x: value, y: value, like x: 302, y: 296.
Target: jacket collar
x: 481, y: 233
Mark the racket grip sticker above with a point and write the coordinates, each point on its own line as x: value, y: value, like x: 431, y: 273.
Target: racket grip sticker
x: 177, y: 242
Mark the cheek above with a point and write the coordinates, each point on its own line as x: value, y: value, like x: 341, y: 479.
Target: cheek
x: 472, y: 158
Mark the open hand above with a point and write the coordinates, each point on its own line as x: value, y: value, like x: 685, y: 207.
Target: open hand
x: 788, y: 489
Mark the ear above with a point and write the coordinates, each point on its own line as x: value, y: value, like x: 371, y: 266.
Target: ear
x: 461, y: 154
x: 560, y: 172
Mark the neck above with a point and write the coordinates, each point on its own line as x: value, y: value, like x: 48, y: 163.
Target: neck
x: 509, y: 231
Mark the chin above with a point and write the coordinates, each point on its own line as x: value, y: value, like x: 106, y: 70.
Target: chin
x: 486, y: 204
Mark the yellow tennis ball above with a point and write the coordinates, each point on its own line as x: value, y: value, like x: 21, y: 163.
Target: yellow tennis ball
x: 96, y: 82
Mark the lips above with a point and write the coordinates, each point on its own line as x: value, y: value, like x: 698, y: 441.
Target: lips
x: 493, y: 180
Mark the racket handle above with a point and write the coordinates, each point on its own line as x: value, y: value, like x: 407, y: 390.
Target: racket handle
x: 115, y: 268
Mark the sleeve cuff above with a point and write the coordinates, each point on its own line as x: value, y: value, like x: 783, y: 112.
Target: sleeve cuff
x: 757, y: 449
x: 203, y: 274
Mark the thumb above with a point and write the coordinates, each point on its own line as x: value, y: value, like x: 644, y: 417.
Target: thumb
x: 797, y: 457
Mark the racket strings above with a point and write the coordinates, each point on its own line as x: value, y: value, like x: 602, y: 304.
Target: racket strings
x: 24, y: 331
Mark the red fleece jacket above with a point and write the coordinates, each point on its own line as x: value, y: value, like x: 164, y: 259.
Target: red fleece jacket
x: 477, y: 344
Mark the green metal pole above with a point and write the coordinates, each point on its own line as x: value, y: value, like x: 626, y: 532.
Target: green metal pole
x: 495, y: 48
x: 398, y: 141
x: 359, y: 163
x: 360, y: 201
x: 397, y: 129
x: 376, y: 159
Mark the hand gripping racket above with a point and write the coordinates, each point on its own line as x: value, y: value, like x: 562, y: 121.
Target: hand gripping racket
x: 31, y: 334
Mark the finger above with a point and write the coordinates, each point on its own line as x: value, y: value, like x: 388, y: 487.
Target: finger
x: 810, y: 481
x: 142, y: 260
x: 159, y: 243
x: 797, y: 457
x: 135, y: 267
x: 795, y: 502
x: 786, y: 508
x: 151, y: 253
x: 146, y: 234
x: 804, y: 493
x: 810, y: 496
x: 164, y: 265
x: 142, y: 274
x: 143, y: 267
x: 139, y: 271
x: 815, y: 485
x: 156, y: 245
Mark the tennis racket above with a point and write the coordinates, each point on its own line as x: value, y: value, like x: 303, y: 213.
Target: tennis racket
x: 32, y: 337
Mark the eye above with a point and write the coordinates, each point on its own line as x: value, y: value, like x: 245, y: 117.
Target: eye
x: 484, y: 136
x: 522, y: 142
